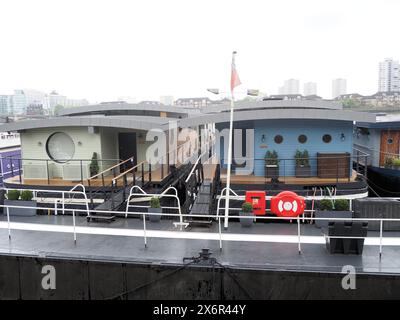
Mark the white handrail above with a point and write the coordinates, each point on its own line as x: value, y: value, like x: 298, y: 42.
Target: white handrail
x: 63, y: 192
x: 228, y: 237
x: 158, y: 195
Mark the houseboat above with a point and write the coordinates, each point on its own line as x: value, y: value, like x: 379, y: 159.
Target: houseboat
x: 381, y: 140
x: 305, y: 146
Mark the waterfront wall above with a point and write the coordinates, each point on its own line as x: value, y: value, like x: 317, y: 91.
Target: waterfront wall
x: 21, y: 278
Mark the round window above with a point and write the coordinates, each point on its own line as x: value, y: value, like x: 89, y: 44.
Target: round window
x: 302, y: 138
x: 390, y: 141
x: 327, y: 138
x: 60, y: 147
x: 278, y: 139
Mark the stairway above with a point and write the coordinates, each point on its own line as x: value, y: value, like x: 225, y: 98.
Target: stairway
x: 201, y: 206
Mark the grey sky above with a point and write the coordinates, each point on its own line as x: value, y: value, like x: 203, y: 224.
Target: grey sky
x: 104, y: 49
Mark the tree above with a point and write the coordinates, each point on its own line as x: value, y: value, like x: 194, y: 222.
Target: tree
x: 57, y: 109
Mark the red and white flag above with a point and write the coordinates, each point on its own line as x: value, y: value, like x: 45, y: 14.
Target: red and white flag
x: 235, y: 81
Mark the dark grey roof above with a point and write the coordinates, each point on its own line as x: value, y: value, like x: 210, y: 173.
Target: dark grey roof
x: 283, y: 113
x: 127, y: 122
x: 275, y: 104
x: 122, y: 106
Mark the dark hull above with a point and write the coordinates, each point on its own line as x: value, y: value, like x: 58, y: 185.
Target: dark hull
x: 385, y: 182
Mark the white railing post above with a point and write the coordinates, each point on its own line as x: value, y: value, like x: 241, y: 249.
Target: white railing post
x: 63, y: 202
x: 144, y: 230
x: 73, y: 221
x: 298, y: 233
x: 220, y: 234
x: 8, y: 223
x: 380, y: 238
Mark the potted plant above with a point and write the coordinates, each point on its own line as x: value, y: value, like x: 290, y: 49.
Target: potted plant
x: 271, y: 165
x: 23, y: 199
x: 302, y: 169
x: 247, y: 211
x: 388, y: 162
x: 155, y: 207
x: 332, y: 209
x: 94, y: 165
x: 396, y: 163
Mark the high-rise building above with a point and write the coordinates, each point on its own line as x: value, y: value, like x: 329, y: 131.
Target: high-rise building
x: 389, y: 76
x: 167, y: 100
x: 310, y: 89
x: 53, y: 99
x: 290, y: 86
x: 6, y: 105
x: 24, y: 98
x: 339, y: 87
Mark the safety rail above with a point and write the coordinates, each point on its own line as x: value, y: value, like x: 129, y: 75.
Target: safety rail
x: 337, y: 168
x: 164, y: 194
x: 112, y: 169
x: 298, y: 239
x: 63, y: 193
x: 17, y: 166
x: 237, y: 197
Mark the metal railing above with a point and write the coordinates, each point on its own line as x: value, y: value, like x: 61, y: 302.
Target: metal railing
x: 17, y: 167
x: 298, y: 238
x: 336, y: 168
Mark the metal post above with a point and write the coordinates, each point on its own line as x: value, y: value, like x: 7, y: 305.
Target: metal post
x: 380, y: 239
x: 298, y: 233
x: 220, y: 234
x: 337, y: 170
x: 8, y: 224
x: 81, y: 172
x: 47, y: 170
x: 63, y: 202
x: 142, y: 166
x: 144, y: 230
x: 73, y: 221
x: 12, y: 167
x: 19, y: 171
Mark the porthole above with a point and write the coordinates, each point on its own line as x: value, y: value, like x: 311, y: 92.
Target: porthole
x: 302, y: 138
x: 278, y: 139
x: 389, y: 141
x: 326, y: 138
x: 60, y: 147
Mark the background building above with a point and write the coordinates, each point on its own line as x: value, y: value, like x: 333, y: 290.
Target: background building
x: 389, y: 76
x: 290, y: 86
x: 167, y: 100
x: 27, y: 97
x: 339, y: 87
x: 310, y: 89
x: 193, y: 102
x: 6, y: 105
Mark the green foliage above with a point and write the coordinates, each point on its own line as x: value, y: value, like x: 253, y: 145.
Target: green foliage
x: 326, y: 204
x: 271, y: 158
x: 338, y: 205
x: 342, y: 205
x: 247, y: 207
x: 388, y: 162
x: 13, y: 194
x: 302, y: 158
x: 94, y: 165
x: 396, y: 162
x: 155, y: 202
x: 57, y: 109
x: 27, y: 195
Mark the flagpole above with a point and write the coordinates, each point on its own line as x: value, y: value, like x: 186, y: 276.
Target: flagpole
x: 228, y: 176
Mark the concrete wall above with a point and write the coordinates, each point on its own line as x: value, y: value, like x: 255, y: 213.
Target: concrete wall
x: 33, y: 146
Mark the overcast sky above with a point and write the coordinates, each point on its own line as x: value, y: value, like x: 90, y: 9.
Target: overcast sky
x: 101, y: 50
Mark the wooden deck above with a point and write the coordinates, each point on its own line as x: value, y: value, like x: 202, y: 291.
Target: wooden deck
x: 251, y: 179
x: 57, y: 181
